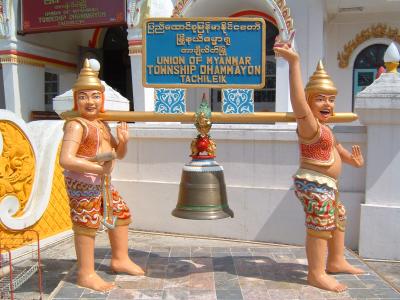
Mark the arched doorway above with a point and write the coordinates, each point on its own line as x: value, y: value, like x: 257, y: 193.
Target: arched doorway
x: 264, y: 99
x: 366, y: 66
x: 116, y: 61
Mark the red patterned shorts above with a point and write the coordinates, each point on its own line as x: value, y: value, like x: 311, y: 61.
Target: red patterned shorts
x: 324, y: 211
x: 86, y: 204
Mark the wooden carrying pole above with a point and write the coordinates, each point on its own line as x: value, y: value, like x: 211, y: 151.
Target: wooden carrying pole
x: 216, y: 117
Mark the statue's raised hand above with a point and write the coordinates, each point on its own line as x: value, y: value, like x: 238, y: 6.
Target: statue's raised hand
x: 357, y: 156
x: 123, y: 133
x: 285, y: 49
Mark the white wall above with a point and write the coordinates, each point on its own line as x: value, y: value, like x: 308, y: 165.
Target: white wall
x: 379, y: 109
x: 161, y: 8
x: 65, y: 41
x: 23, y: 89
x: 2, y: 98
x: 258, y: 161
x: 341, y: 30
x: 31, y: 81
x: 67, y: 80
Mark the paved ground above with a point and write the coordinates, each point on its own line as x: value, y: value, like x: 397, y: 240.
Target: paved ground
x: 207, y: 269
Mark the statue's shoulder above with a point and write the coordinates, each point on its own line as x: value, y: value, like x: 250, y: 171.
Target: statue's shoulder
x: 77, y: 123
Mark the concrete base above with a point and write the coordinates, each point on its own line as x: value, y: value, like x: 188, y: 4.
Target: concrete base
x: 379, y: 232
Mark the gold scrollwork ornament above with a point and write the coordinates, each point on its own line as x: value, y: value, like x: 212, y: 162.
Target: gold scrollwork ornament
x: 373, y: 32
x: 17, y: 164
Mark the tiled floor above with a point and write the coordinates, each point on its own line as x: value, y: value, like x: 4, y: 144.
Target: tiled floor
x: 190, y: 268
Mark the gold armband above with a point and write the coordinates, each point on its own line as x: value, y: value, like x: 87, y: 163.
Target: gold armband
x: 303, y: 117
x: 71, y: 140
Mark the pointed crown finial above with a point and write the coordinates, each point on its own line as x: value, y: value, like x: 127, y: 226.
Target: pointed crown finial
x: 320, y: 82
x: 87, y: 79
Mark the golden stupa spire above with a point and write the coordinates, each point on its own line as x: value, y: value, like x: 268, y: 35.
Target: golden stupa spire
x: 320, y: 82
x: 391, y: 58
x: 88, y: 79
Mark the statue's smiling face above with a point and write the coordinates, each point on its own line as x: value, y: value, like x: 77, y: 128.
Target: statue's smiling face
x: 322, y: 106
x: 89, y: 103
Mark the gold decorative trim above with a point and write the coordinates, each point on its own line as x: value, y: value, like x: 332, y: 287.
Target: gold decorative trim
x: 285, y: 11
x: 391, y: 67
x: 179, y: 6
x: 18, y: 60
x: 373, y: 32
x: 22, y: 60
x: 135, y: 50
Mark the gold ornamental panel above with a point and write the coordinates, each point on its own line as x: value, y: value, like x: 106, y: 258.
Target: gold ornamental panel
x: 17, y: 164
x: 56, y: 218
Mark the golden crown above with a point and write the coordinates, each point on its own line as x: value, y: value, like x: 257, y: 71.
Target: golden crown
x: 87, y: 79
x: 320, y: 82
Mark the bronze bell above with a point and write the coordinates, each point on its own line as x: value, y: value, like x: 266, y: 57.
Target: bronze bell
x: 202, y: 191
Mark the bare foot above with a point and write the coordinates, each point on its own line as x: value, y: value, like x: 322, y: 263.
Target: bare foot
x: 94, y: 282
x: 126, y: 266
x: 343, y: 267
x: 326, y: 282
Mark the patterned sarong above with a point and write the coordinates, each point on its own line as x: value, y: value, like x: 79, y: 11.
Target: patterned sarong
x: 86, y: 206
x: 320, y: 199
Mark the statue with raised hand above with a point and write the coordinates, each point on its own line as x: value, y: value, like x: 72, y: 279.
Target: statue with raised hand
x: 321, y: 157
x: 88, y: 154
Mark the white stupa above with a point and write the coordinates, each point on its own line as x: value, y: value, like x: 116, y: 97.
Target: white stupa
x: 387, y: 86
x: 113, y: 99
